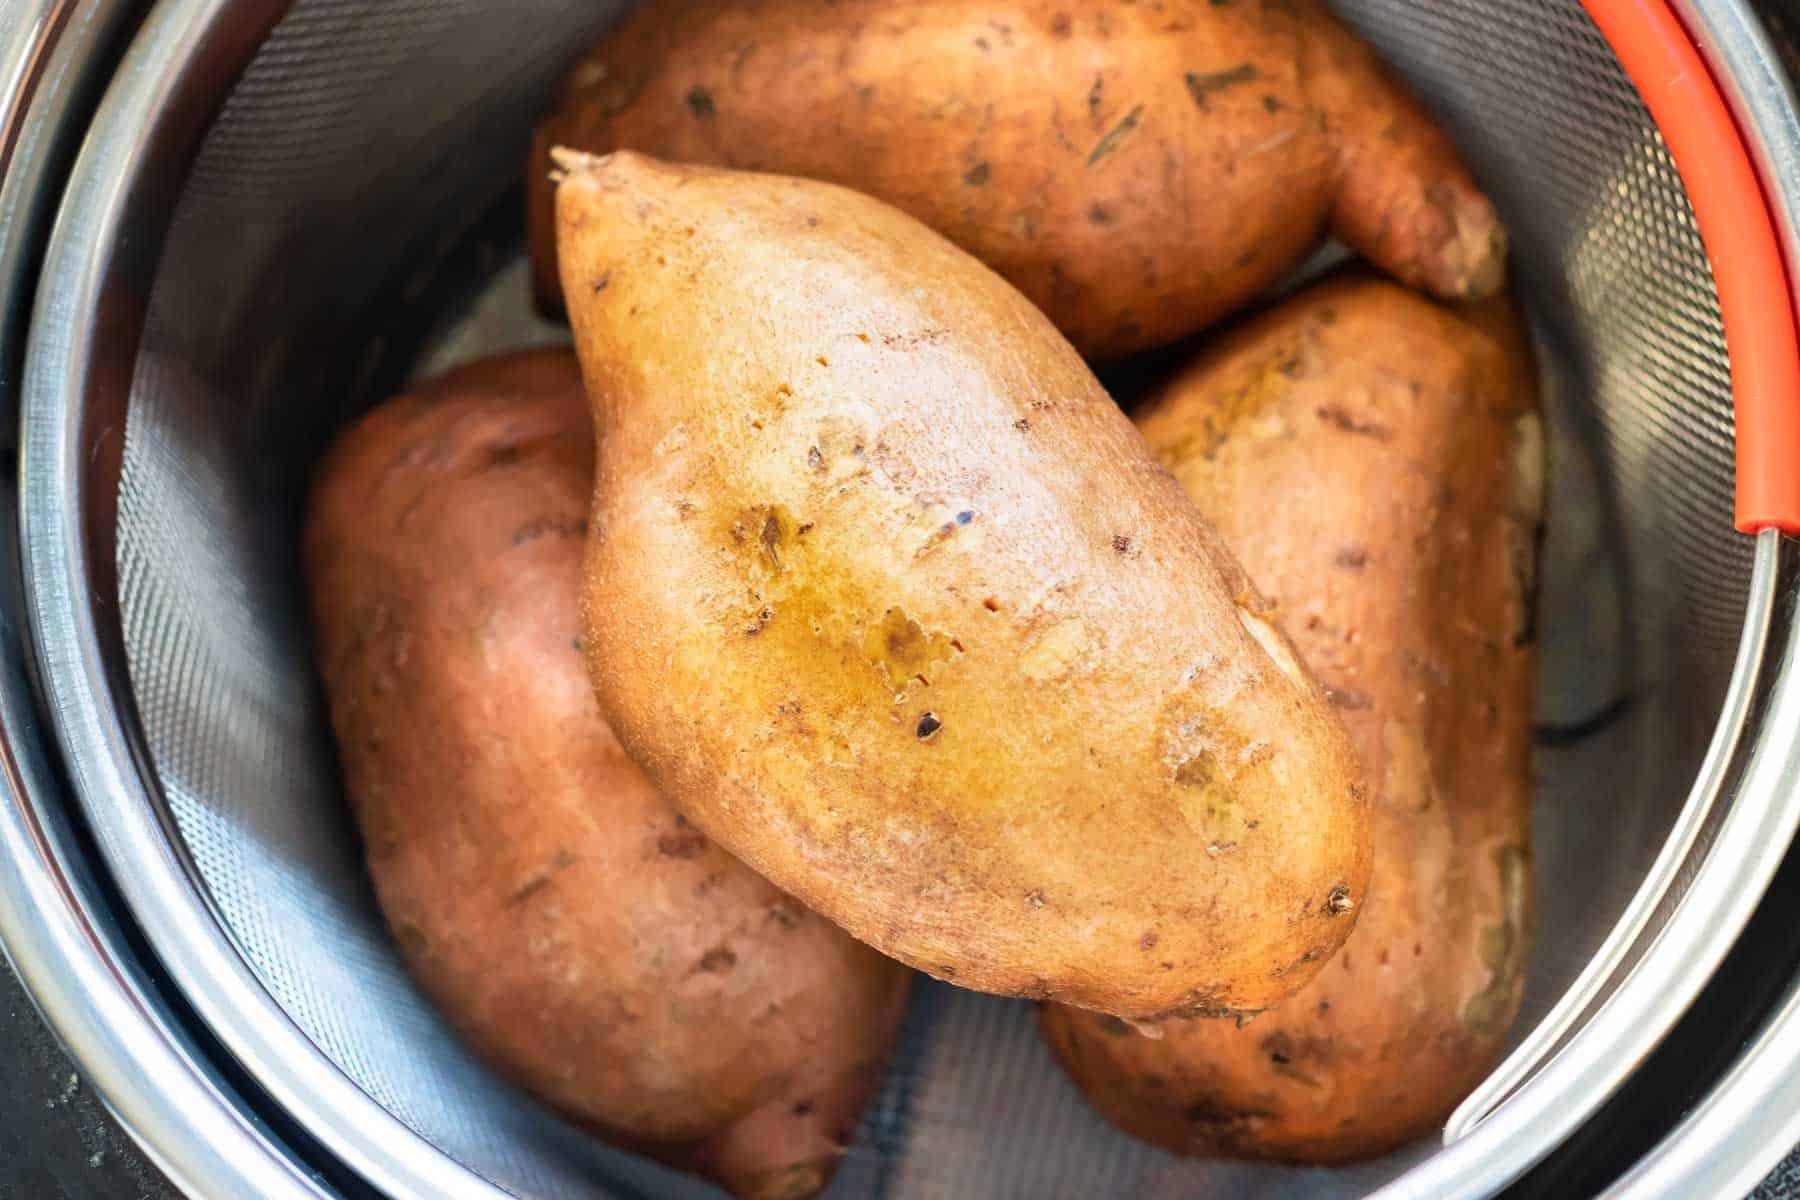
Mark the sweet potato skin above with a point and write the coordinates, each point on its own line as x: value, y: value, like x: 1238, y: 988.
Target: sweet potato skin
x: 1375, y: 459
x: 582, y: 937
x: 1138, y: 171
x: 873, y: 561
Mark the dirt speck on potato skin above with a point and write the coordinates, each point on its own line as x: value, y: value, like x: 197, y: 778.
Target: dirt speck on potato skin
x: 582, y: 937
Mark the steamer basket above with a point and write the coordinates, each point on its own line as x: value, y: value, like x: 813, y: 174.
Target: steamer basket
x: 281, y: 211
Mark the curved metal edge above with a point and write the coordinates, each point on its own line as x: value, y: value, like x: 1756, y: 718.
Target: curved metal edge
x: 1750, y: 1119
x: 82, y: 262
x: 1624, y: 947
x: 1725, y: 888
x: 54, y: 928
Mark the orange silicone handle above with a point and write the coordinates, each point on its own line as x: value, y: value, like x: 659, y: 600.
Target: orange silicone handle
x: 1735, y: 223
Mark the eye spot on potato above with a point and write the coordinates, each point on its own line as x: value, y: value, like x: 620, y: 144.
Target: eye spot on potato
x: 412, y: 939
x: 1343, y: 420
x: 1099, y: 214
x: 599, y: 285
x: 1023, y: 424
x: 682, y: 844
x: 977, y: 175
x: 928, y: 726
x: 1339, y: 901
x: 1059, y: 25
x: 1121, y: 544
x: 1352, y: 558
x: 802, y: 1108
x: 700, y: 103
x: 1034, y: 899
x: 1148, y: 941
x: 718, y: 960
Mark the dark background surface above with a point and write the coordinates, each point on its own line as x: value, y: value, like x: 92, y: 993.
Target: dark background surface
x: 57, y: 1142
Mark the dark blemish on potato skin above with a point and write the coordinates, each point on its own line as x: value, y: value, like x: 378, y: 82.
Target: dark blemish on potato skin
x: 536, y: 881
x: 531, y: 531
x: 1099, y: 215
x: 504, y: 455
x: 599, y: 285
x: 1121, y: 544
x: 412, y: 940
x: 1148, y: 941
x: 682, y: 844
x: 976, y: 175
x: 1339, y: 901
x: 718, y: 960
x: 771, y: 539
x: 1095, y: 96
x: 575, y: 645
x: 1116, y: 135
x: 991, y: 604
x: 786, y: 912
x: 1023, y: 425
x: 802, y: 1108
x: 964, y: 517
x: 928, y: 726
x: 1353, y: 558
x: 1341, y: 418
x: 700, y: 103
x: 1271, y: 104
x: 1204, y: 85
x: 814, y: 459
x: 1059, y: 25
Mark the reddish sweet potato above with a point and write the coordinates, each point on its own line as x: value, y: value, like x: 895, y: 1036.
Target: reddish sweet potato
x: 1137, y: 170
x: 582, y: 937
x: 1375, y: 460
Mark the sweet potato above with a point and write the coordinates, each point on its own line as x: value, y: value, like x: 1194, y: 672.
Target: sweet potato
x: 1137, y: 170
x: 890, y: 599
x: 584, y: 939
x: 1375, y: 459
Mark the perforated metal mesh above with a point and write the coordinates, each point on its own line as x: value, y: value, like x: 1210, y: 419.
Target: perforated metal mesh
x: 362, y: 145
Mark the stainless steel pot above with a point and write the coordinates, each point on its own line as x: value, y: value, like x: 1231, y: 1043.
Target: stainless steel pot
x: 226, y: 225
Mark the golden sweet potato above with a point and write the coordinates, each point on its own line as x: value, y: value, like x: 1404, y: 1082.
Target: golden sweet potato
x: 584, y: 939
x: 1137, y: 170
x: 890, y: 599
x: 1376, y: 460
